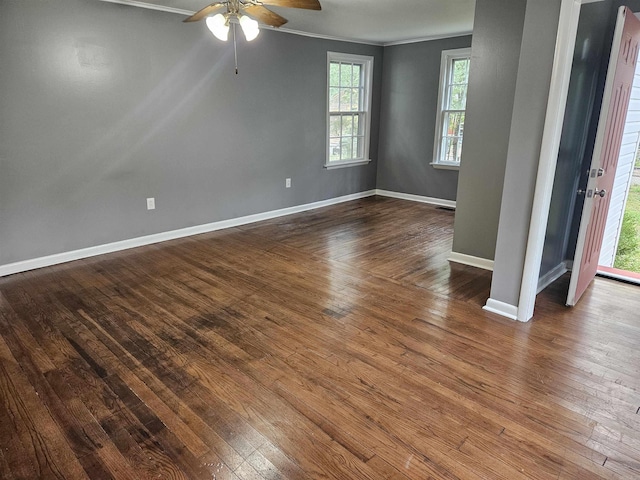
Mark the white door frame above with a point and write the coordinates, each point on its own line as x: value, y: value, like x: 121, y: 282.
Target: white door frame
x: 556, y: 105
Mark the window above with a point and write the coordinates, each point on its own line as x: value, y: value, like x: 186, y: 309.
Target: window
x: 454, y: 78
x: 349, y: 106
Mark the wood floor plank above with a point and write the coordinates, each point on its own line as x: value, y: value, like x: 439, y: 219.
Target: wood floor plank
x: 331, y: 344
x: 141, y: 380
x: 5, y: 469
x: 372, y: 352
x: 43, y: 445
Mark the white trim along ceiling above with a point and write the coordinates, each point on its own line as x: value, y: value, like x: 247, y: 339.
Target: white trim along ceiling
x: 361, y: 21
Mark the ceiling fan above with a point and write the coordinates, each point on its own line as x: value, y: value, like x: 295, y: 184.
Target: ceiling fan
x: 247, y: 13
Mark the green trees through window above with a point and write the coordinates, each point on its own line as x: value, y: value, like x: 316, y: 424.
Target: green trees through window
x: 348, y: 104
x: 454, y: 80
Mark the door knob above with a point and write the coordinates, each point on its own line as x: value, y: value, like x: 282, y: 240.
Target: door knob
x: 601, y: 193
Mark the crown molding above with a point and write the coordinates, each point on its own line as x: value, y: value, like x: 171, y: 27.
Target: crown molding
x: 427, y: 39
x: 324, y: 37
x: 151, y: 6
x: 180, y: 11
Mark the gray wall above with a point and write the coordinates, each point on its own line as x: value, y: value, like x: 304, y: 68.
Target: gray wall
x: 527, y: 126
x: 492, y: 81
x: 410, y: 82
x: 104, y: 105
x: 578, y: 133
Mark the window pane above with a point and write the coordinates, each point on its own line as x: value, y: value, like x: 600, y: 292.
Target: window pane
x: 358, y: 143
x: 334, y: 149
x: 357, y: 69
x: 453, y: 124
x: 345, y: 99
x: 457, y: 97
x: 334, y: 99
x: 335, y: 125
x: 460, y: 70
x: 345, y: 74
x: 451, y: 149
x: 357, y: 125
x: 346, y: 151
x: 347, y: 125
x: 452, y: 138
x: 334, y: 74
x: 355, y: 99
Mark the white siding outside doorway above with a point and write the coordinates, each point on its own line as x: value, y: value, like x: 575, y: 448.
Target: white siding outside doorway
x: 624, y: 174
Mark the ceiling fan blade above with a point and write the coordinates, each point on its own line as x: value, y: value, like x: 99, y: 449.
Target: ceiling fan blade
x: 205, y: 12
x: 308, y: 4
x: 265, y: 16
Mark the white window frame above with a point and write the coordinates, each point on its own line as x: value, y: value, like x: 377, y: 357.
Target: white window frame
x: 446, y: 63
x: 366, y: 63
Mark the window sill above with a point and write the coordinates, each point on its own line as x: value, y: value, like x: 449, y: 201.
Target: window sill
x: 354, y: 163
x: 445, y: 166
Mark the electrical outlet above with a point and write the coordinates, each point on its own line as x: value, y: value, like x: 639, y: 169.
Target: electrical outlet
x: 287, y: 183
x: 151, y: 203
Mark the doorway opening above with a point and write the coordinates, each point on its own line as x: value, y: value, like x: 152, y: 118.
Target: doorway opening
x: 620, y: 254
x: 626, y: 264
x: 583, y: 190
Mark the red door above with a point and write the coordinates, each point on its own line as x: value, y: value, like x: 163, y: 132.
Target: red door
x: 622, y: 66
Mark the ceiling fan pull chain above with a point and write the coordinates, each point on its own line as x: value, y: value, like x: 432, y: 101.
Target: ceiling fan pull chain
x: 235, y: 47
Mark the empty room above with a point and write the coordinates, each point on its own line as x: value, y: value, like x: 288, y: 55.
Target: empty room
x: 244, y: 241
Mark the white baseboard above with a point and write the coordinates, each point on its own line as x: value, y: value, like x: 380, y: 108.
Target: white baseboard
x: 501, y: 308
x: 472, y: 261
x: 417, y: 198
x: 32, y: 264
x: 551, y: 276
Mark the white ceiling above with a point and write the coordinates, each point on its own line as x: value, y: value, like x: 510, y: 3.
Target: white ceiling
x: 369, y: 21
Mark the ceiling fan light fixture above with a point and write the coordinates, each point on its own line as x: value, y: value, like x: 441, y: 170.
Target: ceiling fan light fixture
x: 249, y: 27
x: 218, y: 26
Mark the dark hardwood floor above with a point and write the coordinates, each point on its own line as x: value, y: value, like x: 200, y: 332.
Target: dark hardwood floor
x: 337, y: 343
